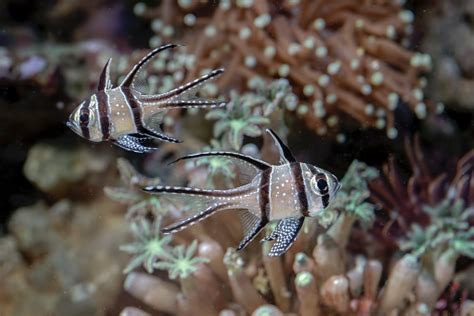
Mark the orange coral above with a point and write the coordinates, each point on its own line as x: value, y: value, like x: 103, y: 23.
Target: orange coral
x: 342, y: 57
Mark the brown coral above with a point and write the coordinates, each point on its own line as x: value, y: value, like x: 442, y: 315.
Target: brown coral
x: 341, y: 57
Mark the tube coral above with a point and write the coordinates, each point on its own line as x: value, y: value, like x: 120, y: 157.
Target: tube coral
x: 343, y: 58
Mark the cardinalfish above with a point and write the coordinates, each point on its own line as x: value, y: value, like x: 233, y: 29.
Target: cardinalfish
x: 287, y: 193
x: 126, y: 116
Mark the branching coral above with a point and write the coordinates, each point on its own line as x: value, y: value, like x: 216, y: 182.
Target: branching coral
x: 342, y: 57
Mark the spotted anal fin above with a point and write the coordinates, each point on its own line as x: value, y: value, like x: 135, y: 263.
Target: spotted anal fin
x: 285, y: 234
x: 286, y: 155
x: 128, y: 81
x: 131, y: 143
x: 251, y: 225
x: 104, y: 81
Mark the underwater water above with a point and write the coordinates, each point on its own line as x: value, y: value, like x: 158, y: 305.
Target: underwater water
x: 246, y: 157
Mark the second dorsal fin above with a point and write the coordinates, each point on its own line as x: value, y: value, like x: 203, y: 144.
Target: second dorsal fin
x: 128, y: 81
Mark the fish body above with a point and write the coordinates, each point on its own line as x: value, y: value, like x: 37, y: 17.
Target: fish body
x: 126, y: 116
x: 286, y: 193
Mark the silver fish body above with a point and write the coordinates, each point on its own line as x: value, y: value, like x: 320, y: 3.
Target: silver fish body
x: 126, y: 116
x: 286, y: 193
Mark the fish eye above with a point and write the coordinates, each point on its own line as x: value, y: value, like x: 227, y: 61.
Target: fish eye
x: 84, y: 119
x: 319, y: 184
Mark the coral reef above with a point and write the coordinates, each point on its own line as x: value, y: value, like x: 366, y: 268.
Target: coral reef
x: 343, y: 58
x: 398, y: 240
x: 61, y: 259
x: 426, y: 198
x: 452, y: 79
x: 321, y: 278
x: 62, y: 172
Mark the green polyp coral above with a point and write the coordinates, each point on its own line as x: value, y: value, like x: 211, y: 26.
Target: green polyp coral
x: 304, y: 278
x: 131, y: 194
x: 277, y: 94
x: 181, y: 262
x: 150, y: 245
x: 217, y: 165
x: 247, y: 113
x: 236, y: 121
x: 448, y: 229
x: 351, y: 198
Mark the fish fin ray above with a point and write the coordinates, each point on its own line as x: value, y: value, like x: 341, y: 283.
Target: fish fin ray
x: 132, y: 143
x: 247, y: 166
x: 286, y: 155
x: 254, y: 162
x: 251, y: 226
x: 285, y: 234
x: 154, y: 132
x: 129, y: 80
x: 104, y: 81
x: 186, y: 104
x: 183, y: 90
x: 194, y: 204
x: 193, y: 219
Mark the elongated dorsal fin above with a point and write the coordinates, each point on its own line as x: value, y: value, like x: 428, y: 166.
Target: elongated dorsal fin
x: 104, y: 80
x: 257, y: 163
x: 128, y: 81
x: 286, y: 155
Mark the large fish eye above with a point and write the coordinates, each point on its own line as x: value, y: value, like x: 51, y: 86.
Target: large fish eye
x: 84, y: 119
x: 320, y: 184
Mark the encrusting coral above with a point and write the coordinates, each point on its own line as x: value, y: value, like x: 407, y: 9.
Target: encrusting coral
x: 343, y: 58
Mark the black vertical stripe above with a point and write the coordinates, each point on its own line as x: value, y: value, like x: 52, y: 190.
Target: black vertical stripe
x: 265, y: 193
x: 102, y: 104
x: 134, y: 106
x: 300, y: 187
x: 325, y: 200
x: 84, y: 110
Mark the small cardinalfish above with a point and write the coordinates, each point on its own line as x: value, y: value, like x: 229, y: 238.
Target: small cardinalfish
x: 287, y: 193
x: 126, y: 116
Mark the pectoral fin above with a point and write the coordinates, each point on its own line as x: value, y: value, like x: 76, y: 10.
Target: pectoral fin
x: 285, y: 234
x: 251, y: 225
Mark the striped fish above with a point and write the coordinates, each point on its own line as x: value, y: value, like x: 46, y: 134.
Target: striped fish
x: 127, y: 117
x: 287, y: 193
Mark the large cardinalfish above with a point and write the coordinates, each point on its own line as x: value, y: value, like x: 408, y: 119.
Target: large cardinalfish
x: 286, y: 193
x: 126, y: 116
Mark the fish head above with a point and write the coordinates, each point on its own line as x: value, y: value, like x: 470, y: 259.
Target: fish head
x: 323, y: 188
x: 83, y: 120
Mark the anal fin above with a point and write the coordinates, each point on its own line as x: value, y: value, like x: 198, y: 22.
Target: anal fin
x: 154, y: 133
x: 251, y: 225
x: 285, y: 234
x: 132, y: 143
